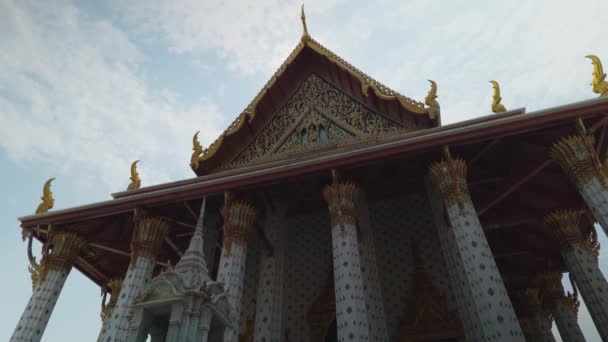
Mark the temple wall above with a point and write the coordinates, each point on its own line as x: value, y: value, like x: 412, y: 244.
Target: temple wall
x: 396, y: 224
x: 309, y: 264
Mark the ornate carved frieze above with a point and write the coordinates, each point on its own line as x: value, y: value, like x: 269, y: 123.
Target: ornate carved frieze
x: 316, y: 114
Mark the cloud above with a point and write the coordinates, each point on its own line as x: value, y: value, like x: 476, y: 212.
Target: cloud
x: 535, y: 49
x: 71, y: 96
x: 250, y: 36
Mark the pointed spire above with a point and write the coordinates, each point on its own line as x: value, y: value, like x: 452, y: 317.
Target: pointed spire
x: 192, y: 266
x: 305, y: 35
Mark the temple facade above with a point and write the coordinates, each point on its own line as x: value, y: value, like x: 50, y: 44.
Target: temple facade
x: 336, y: 209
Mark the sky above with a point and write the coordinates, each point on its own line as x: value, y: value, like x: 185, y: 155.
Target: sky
x: 86, y: 87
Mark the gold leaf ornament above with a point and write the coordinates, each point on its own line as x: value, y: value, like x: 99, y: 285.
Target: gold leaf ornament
x: 135, y: 181
x: 47, y: 198
x: 431, y: 100
x: 497, y: 107
x: 197, y: 151
x: 598, y: 82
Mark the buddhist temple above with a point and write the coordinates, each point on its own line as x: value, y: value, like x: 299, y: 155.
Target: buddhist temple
x: 334, y: 208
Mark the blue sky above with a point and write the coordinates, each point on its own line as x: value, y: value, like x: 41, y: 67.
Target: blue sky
x: 87, y: 87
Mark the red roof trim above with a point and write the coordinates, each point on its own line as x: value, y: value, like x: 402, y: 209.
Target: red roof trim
x: 464, y: 132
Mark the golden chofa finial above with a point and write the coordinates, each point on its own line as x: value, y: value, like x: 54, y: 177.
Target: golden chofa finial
x: 198, y: 149
x: 598, y: 83
x: 47, y: 198
x: 431, y: 100
x: 305, y: 34
x: 135, y: 181
x: 497, y: 107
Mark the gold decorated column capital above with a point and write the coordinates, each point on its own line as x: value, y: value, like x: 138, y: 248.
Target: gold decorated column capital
x: 64, y: 249
x: 239, y: 218
x: 149, y: 235
x: 450, y: 177
x: 577, y: 157
x: 564, y: 226
x: 342, y: 199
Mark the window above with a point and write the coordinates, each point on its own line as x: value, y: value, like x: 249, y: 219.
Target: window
x: 322, y: 133
x: 303, y: 137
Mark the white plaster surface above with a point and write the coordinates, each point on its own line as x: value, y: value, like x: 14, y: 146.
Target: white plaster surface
x: 351, y: 308
x: 36, y: 315
x: 232, y: 274
x: 116, y: 327
x: 591, y: 284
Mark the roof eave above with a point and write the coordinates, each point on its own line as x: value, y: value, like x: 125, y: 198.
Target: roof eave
x: 491, y: 126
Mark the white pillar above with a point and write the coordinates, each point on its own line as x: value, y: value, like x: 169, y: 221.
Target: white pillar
x: 371, y: 278
x: 492, y: 317
x: 269, y: 303
x: 239, y: 220
x: 461, y: 291
x: 580, y: 256
x: 150, y: 234
x: 48, y: 279
x: 564, y: 308
x: 577, y: 157
x: 351, y: 308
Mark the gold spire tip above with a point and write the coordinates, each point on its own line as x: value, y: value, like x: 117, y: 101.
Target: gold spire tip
x: 303, y: 17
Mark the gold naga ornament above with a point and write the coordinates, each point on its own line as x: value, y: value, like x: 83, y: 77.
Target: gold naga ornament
x: 197, y: 151
x: 135, y: 181
x: 497, y: 107
x: 47, y: 198
x: 431, y: 100
x: 598, y: 83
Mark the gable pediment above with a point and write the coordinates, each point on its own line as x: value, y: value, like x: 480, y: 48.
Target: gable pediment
x: 316, y: 117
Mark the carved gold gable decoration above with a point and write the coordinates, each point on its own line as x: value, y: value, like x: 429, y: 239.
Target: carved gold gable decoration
x: 317, y: 116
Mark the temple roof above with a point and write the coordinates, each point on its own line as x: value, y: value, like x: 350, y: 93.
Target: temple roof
x: 309, y: 56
